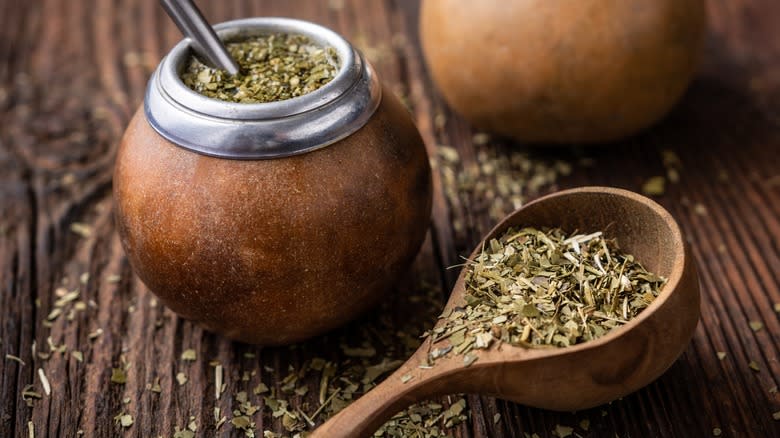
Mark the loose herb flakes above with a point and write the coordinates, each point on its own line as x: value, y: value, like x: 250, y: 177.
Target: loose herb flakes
x: 124, y: 420
x: 655, y: 186
x: 118, y: 376
x: 424, y: 420
x: 500, y: 181
x: 189, y: 355
x: 310, y: 393
x: 15, y: 359
x: 83, y: 230
x: 673, y: 165
x: 543, y: 288
x: 273, y: 67
x: 183, y: 433
x: 563, y: 431
x: 44, y: 381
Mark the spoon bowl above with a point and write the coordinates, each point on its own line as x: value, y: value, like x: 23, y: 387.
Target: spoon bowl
x: 562, y: 379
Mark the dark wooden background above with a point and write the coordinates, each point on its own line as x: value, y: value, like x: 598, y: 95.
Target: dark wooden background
x: 72, y: 73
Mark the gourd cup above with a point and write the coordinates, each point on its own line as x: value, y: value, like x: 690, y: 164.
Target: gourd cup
x: 270, y: 223
x: 559, y: 71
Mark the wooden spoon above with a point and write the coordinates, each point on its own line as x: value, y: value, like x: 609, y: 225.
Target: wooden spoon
x: 562, y: 379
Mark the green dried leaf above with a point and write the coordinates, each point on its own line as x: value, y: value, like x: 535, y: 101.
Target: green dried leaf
x: 118, y: 376
x: 124, y: 420
x: 81, y: 229
x: 654, y: 186
x: 241, y: 422
x: 183, y: 433
x: 261, y: 388
x: 563, y: 431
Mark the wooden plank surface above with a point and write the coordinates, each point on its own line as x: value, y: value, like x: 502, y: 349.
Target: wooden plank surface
x: 72, y: 73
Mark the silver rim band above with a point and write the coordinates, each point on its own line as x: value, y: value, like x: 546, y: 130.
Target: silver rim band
x: 264, y: 130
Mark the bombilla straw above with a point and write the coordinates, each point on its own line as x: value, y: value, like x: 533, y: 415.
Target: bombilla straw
x: 204, y: 40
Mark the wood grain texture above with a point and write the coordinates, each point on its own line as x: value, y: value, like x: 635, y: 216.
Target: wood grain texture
x: 72, y: 74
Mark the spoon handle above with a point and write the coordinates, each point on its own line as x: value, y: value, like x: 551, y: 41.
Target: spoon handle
x: 204, y: 40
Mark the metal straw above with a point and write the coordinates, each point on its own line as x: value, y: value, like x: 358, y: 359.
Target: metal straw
x: 204, y: 40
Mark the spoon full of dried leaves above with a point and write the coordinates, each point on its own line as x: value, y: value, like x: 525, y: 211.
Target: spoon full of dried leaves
x: 574, y: 300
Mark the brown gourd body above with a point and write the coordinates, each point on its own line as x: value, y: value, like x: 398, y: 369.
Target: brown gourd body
x: 557, y: 71
x: 275, y: 251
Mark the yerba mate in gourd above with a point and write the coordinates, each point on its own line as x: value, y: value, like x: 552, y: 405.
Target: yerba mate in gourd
x: 272, y: 68
x: 272, y: 222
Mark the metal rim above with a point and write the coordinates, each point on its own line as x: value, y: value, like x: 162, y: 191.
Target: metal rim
x: 263, y: 130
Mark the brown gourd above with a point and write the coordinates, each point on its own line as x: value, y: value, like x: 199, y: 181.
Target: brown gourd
x: 561, y: 71
x: 275, y: 251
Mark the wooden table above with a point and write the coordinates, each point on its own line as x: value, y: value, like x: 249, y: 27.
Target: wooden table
x: 73, y: 72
